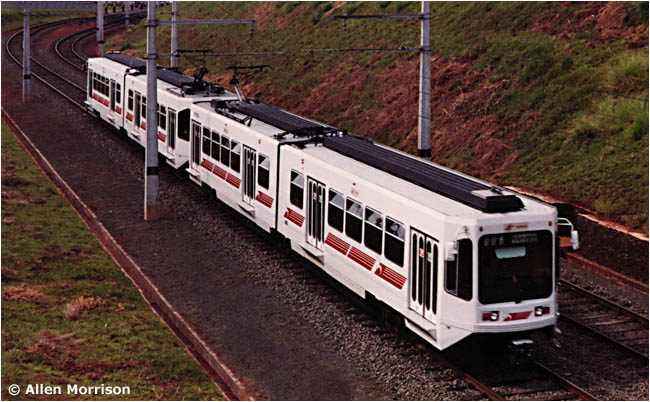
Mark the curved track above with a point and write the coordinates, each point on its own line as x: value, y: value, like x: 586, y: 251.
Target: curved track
x: 617, y: 324
x: 506, y: 374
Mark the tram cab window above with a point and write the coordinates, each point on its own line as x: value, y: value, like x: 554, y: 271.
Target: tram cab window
x: 130, y: 102
x: 374, y: 228
x: 335, y: 210
x: 353, y: 220
x: 296, y: 189
x: 458, y: 273
x: 235, y: 156
x: 184, y: 125
x: 207, y: 142
x: 394, y: 241
x: 263, y: 170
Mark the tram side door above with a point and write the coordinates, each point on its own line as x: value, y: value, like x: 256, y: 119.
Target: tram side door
x: 196, y: 144
x: 315, y: 213
x: 250, y: 158
x: 423, y: 275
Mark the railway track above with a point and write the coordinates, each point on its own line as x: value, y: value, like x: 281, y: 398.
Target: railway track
x: 67, y: 52
x: 496, y: 381
x: 619, y: 325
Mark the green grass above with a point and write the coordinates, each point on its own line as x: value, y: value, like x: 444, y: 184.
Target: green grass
x: 555, y: 89
x: 13, y: 19
x: 49, y: 261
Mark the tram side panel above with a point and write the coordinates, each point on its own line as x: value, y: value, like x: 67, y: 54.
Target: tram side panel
x: 105, y: 92
x: 237, y: 162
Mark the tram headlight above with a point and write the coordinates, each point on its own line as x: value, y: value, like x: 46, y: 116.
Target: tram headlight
x: 541, y: 310
x: 491, y: 316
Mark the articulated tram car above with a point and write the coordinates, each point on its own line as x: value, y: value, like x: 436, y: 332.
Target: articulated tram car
x: 451, y: 254
x: 117, y: 91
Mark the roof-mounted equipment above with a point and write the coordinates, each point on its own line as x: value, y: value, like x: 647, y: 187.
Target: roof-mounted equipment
x: 445, y: 182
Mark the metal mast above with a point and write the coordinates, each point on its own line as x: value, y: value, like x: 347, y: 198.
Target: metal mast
x: 27, y: 86
x: 151, y: 153
x: 100, y: 28
x: 424, y: 115
x: 126, y: 14
x: 174, y: 45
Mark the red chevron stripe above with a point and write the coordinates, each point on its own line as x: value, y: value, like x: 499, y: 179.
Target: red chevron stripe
x: 234, y: 180
x: 162, y: 137
x: 337, y: 244
x: 264, y: 199
x: 207, y: 164
x: 390, y: 276
x: 143, y: 125
x: 518, y: 316
x: 361, y: 258
x: 129, y: 116
x: 118, y: 110
x: 294, y: 217
x: 219, y: 172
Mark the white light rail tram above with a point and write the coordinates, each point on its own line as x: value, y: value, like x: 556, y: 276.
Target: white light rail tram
x: 448, y: 254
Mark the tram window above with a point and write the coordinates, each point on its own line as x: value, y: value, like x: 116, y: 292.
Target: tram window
x: 162, y: 116
x: 353, y: 220
x: 335, y: 210
x: 225, y: 150
x: 184, y: 125
x: 143, y: 108
x: 206, y: 141
x: 374, y: 228
x: 235, y: 157
x: 130, y: 103
x: 118, y: 94
x: 263, y: 170
x: 458, y: 273
x: 215, y: 145
x: 394, y: 241
x: 296, y: 189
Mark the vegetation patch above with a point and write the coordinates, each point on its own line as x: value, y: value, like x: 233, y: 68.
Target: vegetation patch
x: 544, y: 95
x: 69, y: 315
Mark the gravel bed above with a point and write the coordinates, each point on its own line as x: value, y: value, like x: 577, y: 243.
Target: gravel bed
x: 209, y: 262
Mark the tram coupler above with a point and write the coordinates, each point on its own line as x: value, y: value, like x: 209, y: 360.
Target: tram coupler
x: 522, y: 346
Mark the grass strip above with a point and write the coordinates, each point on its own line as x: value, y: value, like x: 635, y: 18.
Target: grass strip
x: 69, y: 315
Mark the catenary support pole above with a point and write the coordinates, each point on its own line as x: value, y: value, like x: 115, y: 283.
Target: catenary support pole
x: 151, y: 152
x: 27, y: 86
x: 126, y: 14
x: 174, y: 45
x: 100, y: 28
x: 424, y: 123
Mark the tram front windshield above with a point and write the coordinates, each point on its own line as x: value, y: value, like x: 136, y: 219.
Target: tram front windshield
x: 515, y: 266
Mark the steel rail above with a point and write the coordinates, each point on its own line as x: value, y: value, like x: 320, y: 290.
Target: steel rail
x: 228, y: 384
x: 85, y: 34
x: 604, y: 302
x: 481, y: 387
x: 37, y: 76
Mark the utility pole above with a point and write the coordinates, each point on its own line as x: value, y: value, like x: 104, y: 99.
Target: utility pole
x: 100, y: 28
x: 151, y: 212
x: 424, y: 107
x: 424, y: 115
x: 174, y: 45
x: 126, y: 14
x: 27, y: 86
